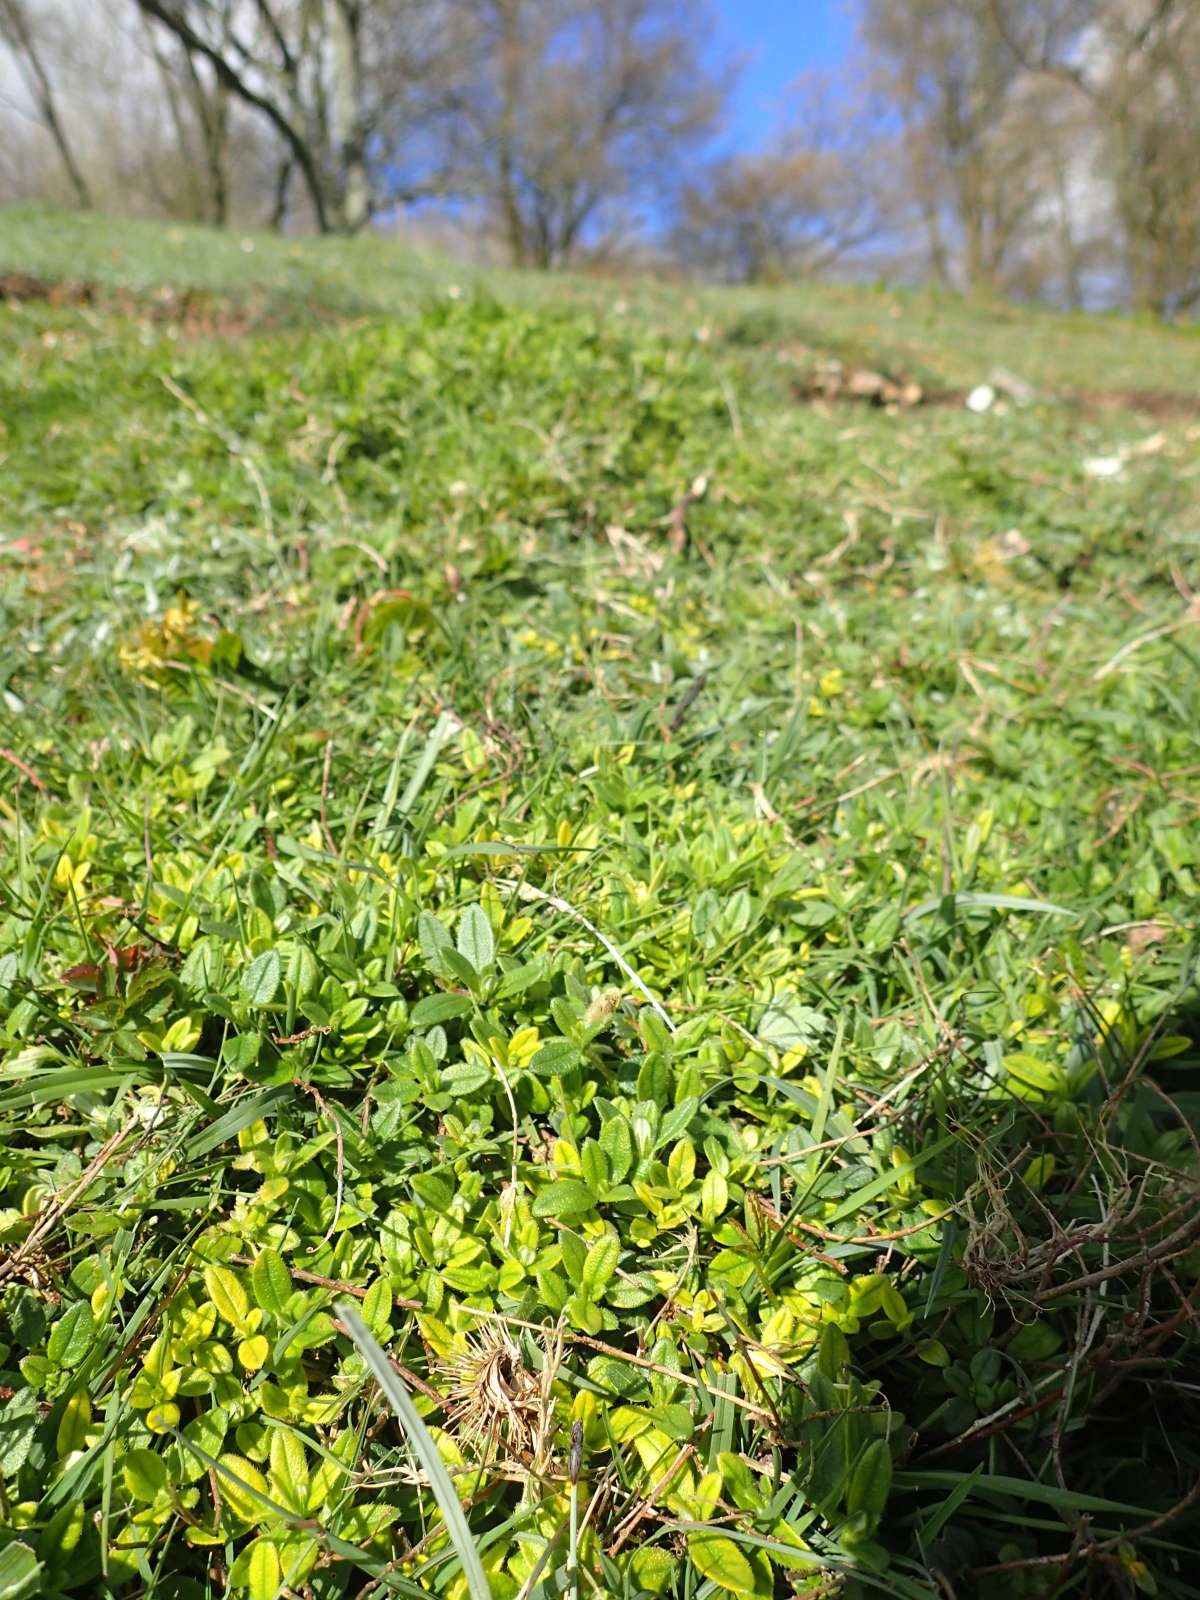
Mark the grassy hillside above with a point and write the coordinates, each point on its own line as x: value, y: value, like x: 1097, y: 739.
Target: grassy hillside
x: 674, y: 897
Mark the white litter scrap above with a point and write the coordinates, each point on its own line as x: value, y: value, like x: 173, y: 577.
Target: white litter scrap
x: 981, y: 398
x: 1104, y: 466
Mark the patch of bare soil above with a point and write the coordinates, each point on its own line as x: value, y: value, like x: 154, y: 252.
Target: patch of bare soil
x: 195, y: 313
x: 1162, y: 404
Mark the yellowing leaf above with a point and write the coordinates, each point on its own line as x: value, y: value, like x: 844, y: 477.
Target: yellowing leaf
x: 252, y: 1353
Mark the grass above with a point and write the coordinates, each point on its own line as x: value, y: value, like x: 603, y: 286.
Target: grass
x: 712, y: 962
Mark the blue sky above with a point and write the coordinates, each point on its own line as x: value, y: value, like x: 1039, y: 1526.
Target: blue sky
x: 777, y: 39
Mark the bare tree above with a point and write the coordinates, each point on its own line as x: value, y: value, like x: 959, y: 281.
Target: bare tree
x: 29, y: 51
x: 564, y: 109
x: 950, y: 73
x: 198, y: 103
x: 817, y: 195
x: 327, y: 76
x: 1135, y: 63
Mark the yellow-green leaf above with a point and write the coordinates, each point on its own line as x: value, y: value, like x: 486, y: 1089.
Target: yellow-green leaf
x: 161, y: 1419
x: 238, y: 1475
x: 252, y: 1353
x: 719, y: 1559
x: 271, y: 1282
x: 227, y: 1294
x: 73, y: 1426
x: 289, y: 1469
x: 264, y: 1572
x: 1039, y: 1171
x: 144, y: 1474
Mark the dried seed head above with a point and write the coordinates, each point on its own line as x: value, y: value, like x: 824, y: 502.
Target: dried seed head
x: 492, y: 1397
x: 602, y: 1007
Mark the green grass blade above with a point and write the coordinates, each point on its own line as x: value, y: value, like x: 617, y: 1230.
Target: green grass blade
x: 423, y: 1446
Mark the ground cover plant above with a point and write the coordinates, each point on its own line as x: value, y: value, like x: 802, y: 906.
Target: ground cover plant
x: 664, y: 907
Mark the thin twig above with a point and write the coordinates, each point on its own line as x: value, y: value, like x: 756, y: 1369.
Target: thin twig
x: 527, y: 891
x: 48, y: 1219
x: 22, y: 766
x: 619, y: 1355
x: 643, y: 1508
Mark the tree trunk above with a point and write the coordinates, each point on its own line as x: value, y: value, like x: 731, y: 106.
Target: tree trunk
x: 1069, y: 248
x: 229, y: 77
x: 510, y: 86
x: 348, y: 135
x: 16, y: 25
x: 283, y: 180
x: 212, y: 113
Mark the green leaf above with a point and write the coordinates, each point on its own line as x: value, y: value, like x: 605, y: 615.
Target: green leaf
x: 566, y: 1197
x: 554, y: 1058
x: 870, y: 1481
x: 439, y: 1008
x: 377, y: 1307
x: 423, y: 1447
x: 599, y: 1266
x: 1043, y: 1077
x: 720, y: 1561
x: 261, y: 979
x: 476, y: 942
x: 594, y: 1163
x: 786, y: 1024
x: 616, y: 1140
x: 271, y: 1282
x: 992, y: 902
x: 20, y: 1571
x: 675, y: 1122
x: 18, y: 1427
x: 714, y: 1196
x: 433, y: 937
x: 71, y: 1336
x: 303, y: 976
x: 436, y: 1192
